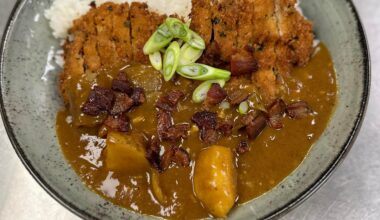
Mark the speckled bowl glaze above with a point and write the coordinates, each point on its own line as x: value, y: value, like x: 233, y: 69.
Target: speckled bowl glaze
x: 29, y: 102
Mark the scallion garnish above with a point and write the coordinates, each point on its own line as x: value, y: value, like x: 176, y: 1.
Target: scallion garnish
x: 198, y: 71
x: 171, y: 59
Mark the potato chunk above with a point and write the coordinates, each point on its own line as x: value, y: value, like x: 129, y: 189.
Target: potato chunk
x: 215, y: 179
x: 126, y: 152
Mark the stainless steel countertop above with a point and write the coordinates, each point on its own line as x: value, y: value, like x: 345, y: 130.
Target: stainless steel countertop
x: 353, y: 192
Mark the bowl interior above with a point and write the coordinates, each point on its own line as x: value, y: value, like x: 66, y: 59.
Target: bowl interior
x: 30, y: 102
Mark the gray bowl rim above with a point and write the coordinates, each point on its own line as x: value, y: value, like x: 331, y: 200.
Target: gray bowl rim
x: 275, y: 213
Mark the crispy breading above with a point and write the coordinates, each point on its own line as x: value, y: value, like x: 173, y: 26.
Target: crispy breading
x: 245, y: 29
x: 106, y: 45
x: 225, y: 18
x: 141, y: 31
x: 122, y: 31
x: 265, y: 33
x: 266, y: 81
x: 296, y: 40
x: 144, y: 23
x: 201, y: 19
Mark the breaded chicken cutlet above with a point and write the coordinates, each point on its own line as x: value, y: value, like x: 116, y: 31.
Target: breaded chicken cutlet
x: 273, y: 32
x: 106, y: 35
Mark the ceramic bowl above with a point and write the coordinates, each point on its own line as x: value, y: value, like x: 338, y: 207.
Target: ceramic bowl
x: 29, y: 102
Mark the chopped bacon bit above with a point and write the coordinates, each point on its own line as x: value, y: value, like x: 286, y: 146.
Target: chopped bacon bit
x: 210, y: 136
x: 123, y: 86
x: 243, y: 65
x: 215, y: 95
x: 206, y: 122
x: 138, y: 96
x: 298, y: 110
x: 99, y: 100
x: 238, y: 96
x: 118, y: 123
x: 166, y: 159
x: 175, y: 132
x: 225, y: 127
x: 248, y: 118
x: 278, y: 107
x: 255, y: 127
x: 205, y: 119
x: 169, y: 102
x: 122, y: 104
x: 167, y: 131
x: 181, y: 157
x: 175, y: 155
x: 243, y: 147
x: 152, y: 153
x: 275, y: 114
x: 164, y: 122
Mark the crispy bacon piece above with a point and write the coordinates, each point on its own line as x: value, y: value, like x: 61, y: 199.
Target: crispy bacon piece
x: 167, y: 131
x: 298, y: 110
x: 176, y: 155
x: 123, y: 86
x: 225, y: 127
x: 243, y: 65
x: 207, y: 122
x: 175, y: 132
x: 275, y: 113
x: 209, y: 136
x: 205, y: 119
x: 255, y: 126
x: 215, y: 95
x: 122, y: 103
x: 169, y: 102
x: 99, y: 100
x: 164, y: 122
x: 243, y: 147
x: 238, y: 96
x: 138, y: 96
x: 152, y: 152
x: 118, y: 123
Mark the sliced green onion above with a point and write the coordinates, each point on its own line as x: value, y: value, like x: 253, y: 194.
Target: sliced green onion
x: 163, y: 29
x: 188, y: 54
x: 196, y: 41
x: 198, y: 71
x: 243, y: 108
x: 180, y: 42
x: 178, y: 29
x: 156, y: 42
x: 156, y: 60
x: 171, y: 58
x: 200, y: 93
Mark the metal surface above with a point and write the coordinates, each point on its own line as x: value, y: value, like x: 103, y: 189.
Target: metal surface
x: 353, y: 192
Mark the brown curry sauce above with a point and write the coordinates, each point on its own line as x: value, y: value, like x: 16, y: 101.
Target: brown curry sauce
x: 272, y: 156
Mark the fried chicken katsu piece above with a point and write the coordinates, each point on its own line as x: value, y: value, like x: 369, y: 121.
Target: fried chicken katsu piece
x: 104, y: 26
x: 143, y: 24
x: 265, y: 33
x: 296, y: 32
x: 141, y: 31
x: 201, y: 19
x: 122, y: 31
x: 245, y: 26
x: 93, y: 40
x: 225, y: 18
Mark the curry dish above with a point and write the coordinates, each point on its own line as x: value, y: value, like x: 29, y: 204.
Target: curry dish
x: 144, y: 143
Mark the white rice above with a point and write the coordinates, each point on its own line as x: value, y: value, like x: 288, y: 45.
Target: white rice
x: 62, y: 13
